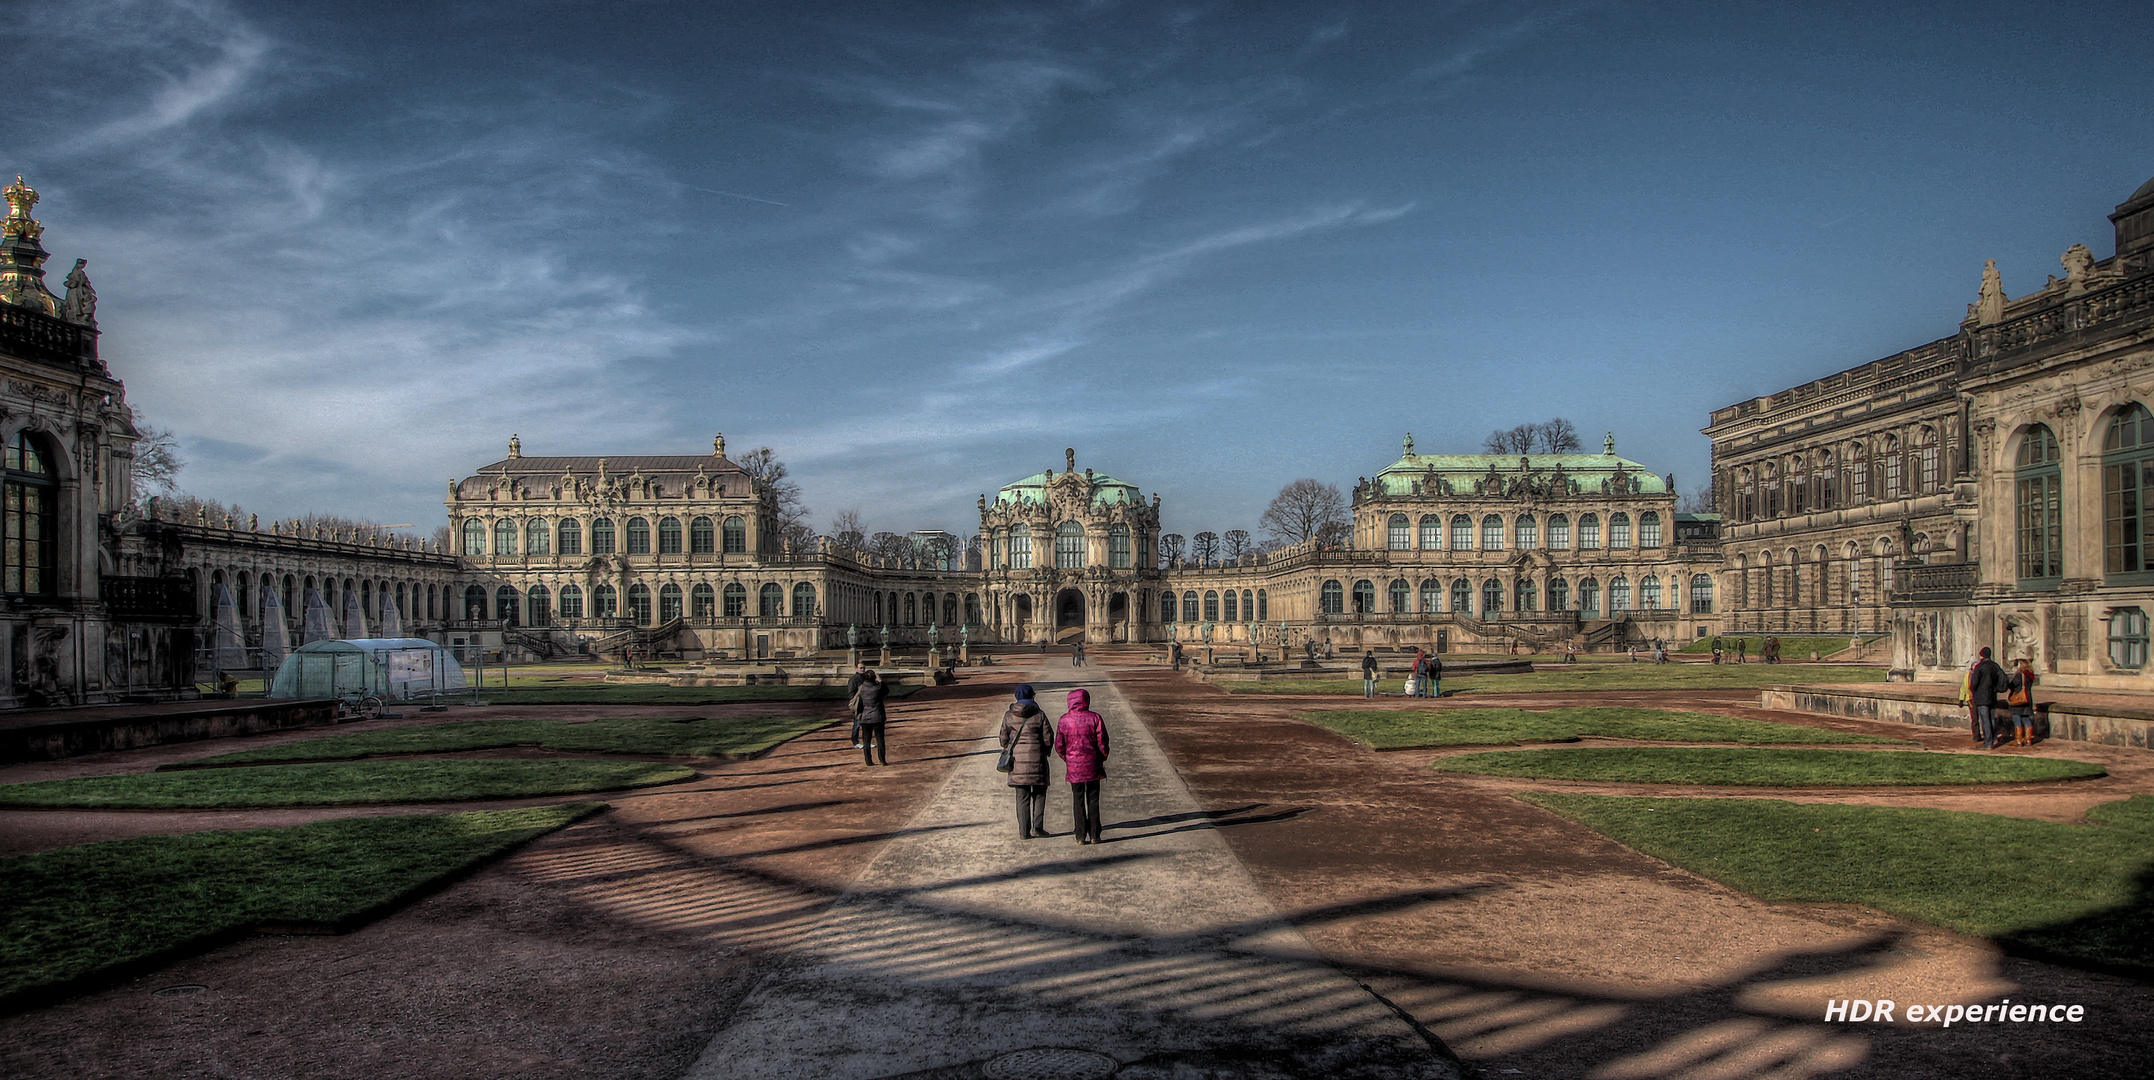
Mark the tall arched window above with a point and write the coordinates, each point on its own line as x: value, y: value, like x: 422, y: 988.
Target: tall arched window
x: 912, y: 609
x: 669, y: 602
x: 1895, y: 469
x: 1431, y: 533
x: 949, y: 605
x: 1559, y: 594
x: 702, y: 537
x: 1649, y: 529
x: 1461, y: 533
x: 571, y: 536
x: 1559, y: 531
x: 736, y: 600
x: 1529, y: 533
x: 506, y: 607
x: 1364, y: 597
x: 1827, y: 479
x: 1619, y: 530
x: 1589, y: 531
x: 1167, y: 609
x: 605, y: 603
x: 1118, y: 546
x: 1492, y: 533
x: 639, y: 604
x: 1020, y: 547
x: 602, y: 536
x: 1589, y: 597
x: 1649, y: 593
x: 1231, y: 606
x: 669, y: 536
x: 770, y: 601
x: 1462, y: 597
x: 1263, y: 608
x: 1527, y: 597
x: 474, y: 534
x: 1798, y: 486
x: 1402, y: 596
x: 31, y: 519
x: 2127, y: 484
x: 504, y: 537
x: 474, y: 603
x: 1399, y: 533
x: 1431, y: 595
x: 1069, y: 546
x: 1927, y: 472
x: 540, y: 601
x: 536, y: 535
x: 1248, y: 605
x: 702, y: 600
x: 1333, y: 598
x: 571, y: 602
x: 1856, y: 471
x: 1190, y: 611
x: 2038, y: 477
x: 1211, y: 605
x: 1618, y: 595
x: 803, y: 600
x: 1491, y: 598
x: 1701, y: 594
x: 639, y: 536
x: 736, y: 535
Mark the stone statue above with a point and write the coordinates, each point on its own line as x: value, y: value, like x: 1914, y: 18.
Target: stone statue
x: 2078, y: 266
x: 1608, y: 444
x: 1989, y: 303
x: 852, y: 635
x: 81, y: 303
x: 516, y: 446
x: 718, y: 445
x: 1409, y: 444
x: 1069, y: 458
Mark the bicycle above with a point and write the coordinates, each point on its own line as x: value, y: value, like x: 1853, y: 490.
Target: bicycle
x: 358, y: 705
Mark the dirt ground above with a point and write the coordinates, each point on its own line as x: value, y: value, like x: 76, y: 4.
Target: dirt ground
x: 617, y: 947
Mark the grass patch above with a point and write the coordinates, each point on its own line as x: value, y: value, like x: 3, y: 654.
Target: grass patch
x: 2079, y: 891
x: 1746, y: 767
x: 1792, y: 647
x: 1393, y: 728
x: 1551, y: 676
x: 690, y: 737
x: 69, y: 914
x: 342, y: 784
x: 603, y: 693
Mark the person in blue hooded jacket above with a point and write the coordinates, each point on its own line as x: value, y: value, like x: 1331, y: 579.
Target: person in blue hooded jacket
x: 1030, y: 738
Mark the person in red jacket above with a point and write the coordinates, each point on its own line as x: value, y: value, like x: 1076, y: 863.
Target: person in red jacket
x: 1081, y: 740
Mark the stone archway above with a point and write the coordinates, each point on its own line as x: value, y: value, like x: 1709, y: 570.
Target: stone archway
x: 1069, y: 616
x: 1021, y: 618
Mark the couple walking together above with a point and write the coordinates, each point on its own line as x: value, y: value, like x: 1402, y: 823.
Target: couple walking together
x: 1079, y: 737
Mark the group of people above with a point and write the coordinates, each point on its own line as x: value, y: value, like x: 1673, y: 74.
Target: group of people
x: 1078, y: 737
x: 1426, y: 676
x: 1981, y: 690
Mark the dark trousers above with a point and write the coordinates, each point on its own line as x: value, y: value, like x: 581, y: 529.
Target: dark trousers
x: 873, y: 751
x: 1031, y: 810
x: 1990, y: 715
x: 1084, y: 808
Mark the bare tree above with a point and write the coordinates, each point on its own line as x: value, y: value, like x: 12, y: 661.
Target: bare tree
x: 1334, y: 534
x: 937, y: 552
x: 1302, y: 509
x: 1498, y: 442
x: 1557, y: 436
x: 894, y: 549
x: 1697, y: 502
x: 157, y: 460
x: 846, y: 532
x: 1234, y: 544
x: 1171, y: 547
x: 762, y: 466
x: 1204, y: 548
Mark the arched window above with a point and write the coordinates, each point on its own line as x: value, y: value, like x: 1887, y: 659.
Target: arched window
x: 669, y: 536
x: 571, y: 602
x: 803, y: 600
x: 1364, y: 597
x: 1211, y: 605
x: 1529, y: 533
x: 1895, y: 469
x: 1167, y: 609
x: 474, y: 536
x: 702, y: 537
x: 1333, y: 598
x: 1190, y: 611
x: 540, y: 601
x: 2127, y: 483
x: 1118, y: 546
x: 31, y: 520
x: 571, y: 536
x: 1765, y: 579
x: 1399, y: 533
x: 1248, y: 605
x: 1462, y: 597
x: 506, y: 608
x: 1491, y: 598
x: 1618, y: 595
x: 770, y: 602
x: 1402, y: 596
x: 1461, y: 533
x: 972, y: 608
x: 1559, y: 531
x: 1855, y: 468
x: 702, y: 599
x: 1701, y: 594
x: 1020, y: 547
x: 639, y: 536
x: 1828, y: 482
x: 1491, y: 533
x: 605, y: 603
x: 1232, y: 608
x: 1431, y: 533
x: 602, y: 536
x: 1559, y: 594
x: 504, y: 537
x: 669, y: 602
x: 474, y: 603
x: 639, y: 604
x: 1927, y: 472
x: 1649, y: 529
x: 1263, y: 609
x: 1589, y: 531
x: 1797, y: 486
x: 1431, y: 595
x: 736, y: 535
x: 912, y: 609
x: 2038, y: 477
x: 1619, y: 530
x: 949, y: 606
x: 736, y: 600
x: 536, y: 536
x: 1528, y: 597
x: 1649, y: 593
x: 1069, y: 546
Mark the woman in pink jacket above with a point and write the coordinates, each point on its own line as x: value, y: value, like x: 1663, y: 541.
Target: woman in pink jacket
x: 1081, y: 739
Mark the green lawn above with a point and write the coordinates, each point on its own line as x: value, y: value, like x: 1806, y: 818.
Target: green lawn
x: 343, y: 783
x: 1765, y: 768
x: 1555, y: 675
x: 601, y: 693
x: 1393, y: 728
x: 2084, y: 891
x: 74, y: 912
x: 684, y: 737
x: 1791, y: 646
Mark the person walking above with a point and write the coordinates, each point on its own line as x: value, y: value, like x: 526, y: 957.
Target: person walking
x: 852, y: 691
x: 1974, y: 719
x: 1029, y: 737
x: 1984, y: 684
x: 1368, y: 674
x: 1435, y: 676
x: 2019, y: 694
x: 1742, y: 650
x: 868, y: 714
x: 1081, y: 741
x: 1421, y: 673
x: 1076, y: 654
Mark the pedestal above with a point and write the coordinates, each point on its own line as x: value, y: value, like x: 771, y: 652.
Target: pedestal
x: 852, y: 658
x: 886, y: 657
x: 964, y: 656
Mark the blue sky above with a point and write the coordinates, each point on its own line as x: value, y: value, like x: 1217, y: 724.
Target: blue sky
x: 345, y: 250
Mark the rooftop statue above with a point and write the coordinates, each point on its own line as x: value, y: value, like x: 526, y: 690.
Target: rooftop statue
x: 81, y: 303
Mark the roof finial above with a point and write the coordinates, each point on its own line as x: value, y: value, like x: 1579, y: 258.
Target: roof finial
x: 1409, y: 444
x: 20, y: 198
x: 718, y: 445
x: 1069, y: 458
x: 1608, y: 444
x: 516, y: 446
x: 22, y: 258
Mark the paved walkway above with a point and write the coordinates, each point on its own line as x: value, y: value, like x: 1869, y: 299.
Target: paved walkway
x: 964, y: 952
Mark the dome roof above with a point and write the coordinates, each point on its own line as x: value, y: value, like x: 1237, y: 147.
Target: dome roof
x: 2146, y: 191
x: 1106, y: 490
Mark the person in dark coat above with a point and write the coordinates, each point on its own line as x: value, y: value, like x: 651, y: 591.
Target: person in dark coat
x: 868, y: 713
x: 1984, y: 685
x: 1435, y: 679
x: 1081, y: 740
x: 1030, y: 737
x: 1368, y: 674
x: 852, y: 688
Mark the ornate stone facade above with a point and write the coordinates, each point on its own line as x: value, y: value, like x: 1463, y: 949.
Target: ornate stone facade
x: 1069, y: 556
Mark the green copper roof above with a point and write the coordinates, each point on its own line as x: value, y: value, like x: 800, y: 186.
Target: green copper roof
x: 1106, y: 490
x: 1461, y: 470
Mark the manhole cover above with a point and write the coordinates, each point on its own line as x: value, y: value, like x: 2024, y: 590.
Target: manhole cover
x: 182, y: 990
x: 1051, y: 1063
